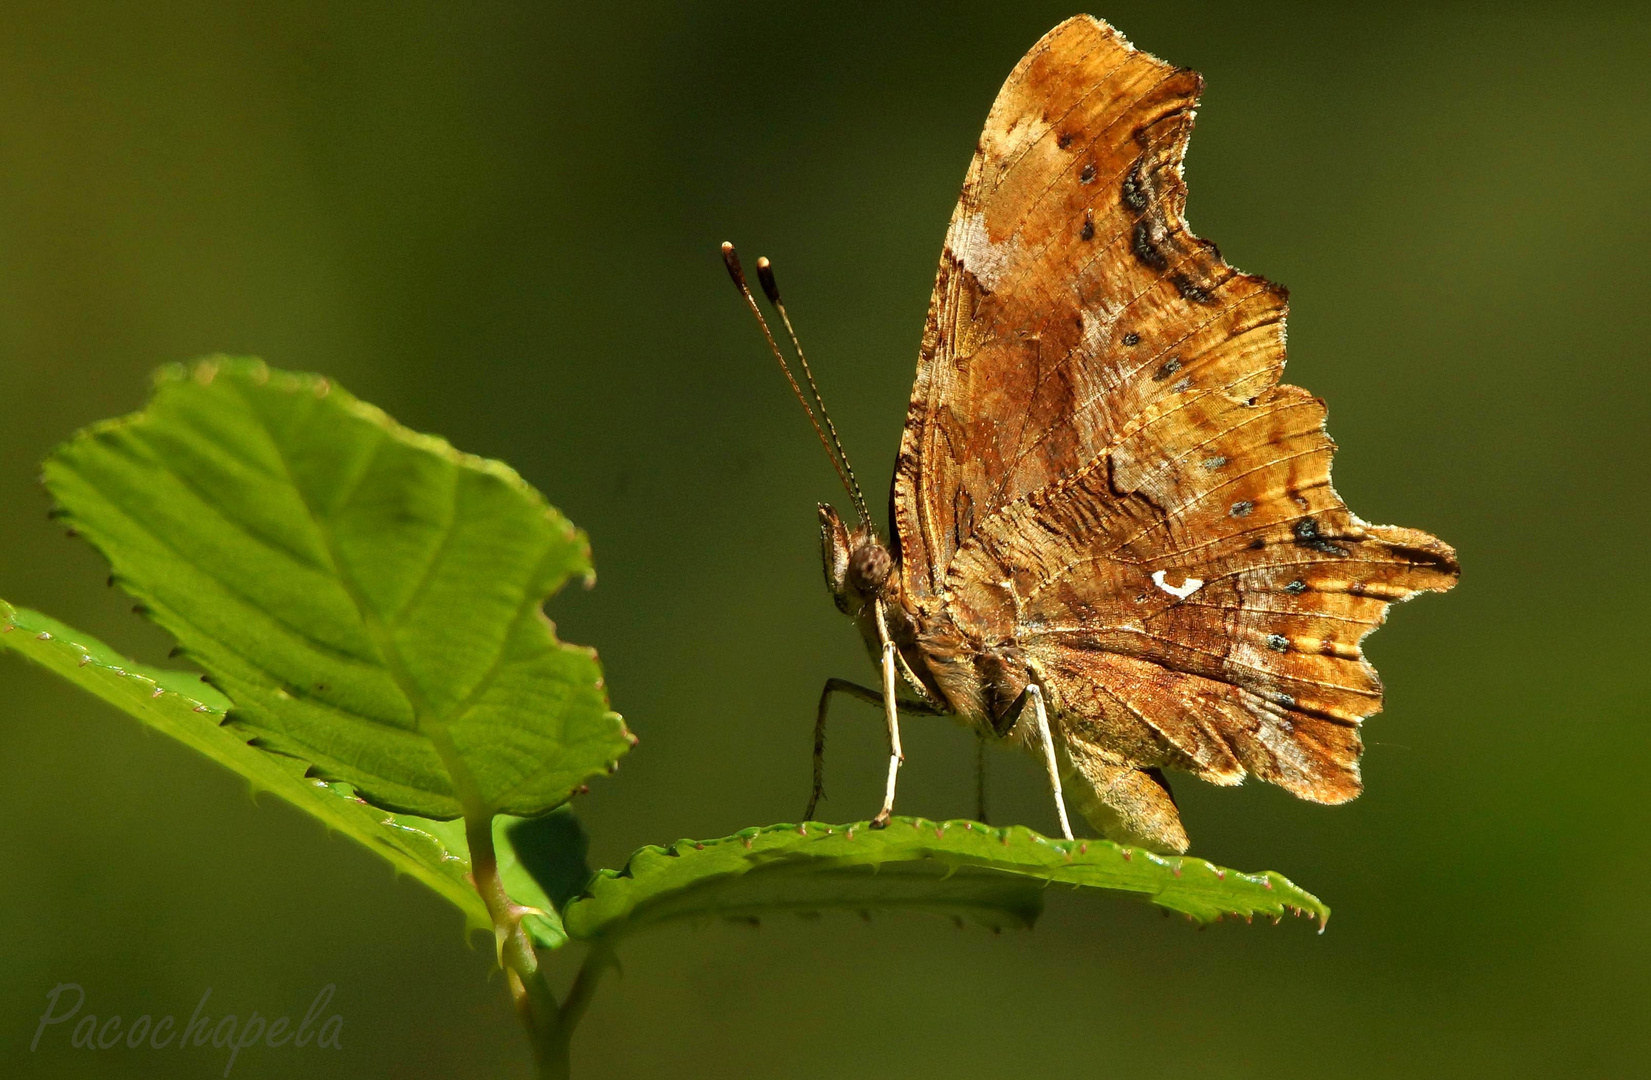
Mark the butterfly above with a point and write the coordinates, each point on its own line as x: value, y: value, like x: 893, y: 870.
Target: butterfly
x: 1113, y: 541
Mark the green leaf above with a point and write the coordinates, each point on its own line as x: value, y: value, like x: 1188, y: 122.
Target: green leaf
x: 546, y: 858
x: 178, y: 704
x: 957, y: 868
x: 367, y: 596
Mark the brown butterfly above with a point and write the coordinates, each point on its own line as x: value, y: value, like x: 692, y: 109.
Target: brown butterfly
x: 1114, y: 536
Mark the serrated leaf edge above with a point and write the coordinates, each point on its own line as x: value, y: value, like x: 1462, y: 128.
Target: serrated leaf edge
x: 207, y: 369
x: 465, y: 899
x: 1286, y: 897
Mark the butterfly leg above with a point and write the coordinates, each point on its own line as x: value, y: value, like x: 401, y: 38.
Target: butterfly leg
x: 832, y: 686
x: 864, y: 693
x: 1034, y: 692
x: 896, y: 757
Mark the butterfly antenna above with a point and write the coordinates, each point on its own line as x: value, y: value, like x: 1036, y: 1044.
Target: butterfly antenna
x: 765, y: 274
x: 731, y: 259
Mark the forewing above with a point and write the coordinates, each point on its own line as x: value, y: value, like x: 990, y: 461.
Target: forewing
x: 1070, y: 294
x: 1214, y: 586
x: 1101, y: 475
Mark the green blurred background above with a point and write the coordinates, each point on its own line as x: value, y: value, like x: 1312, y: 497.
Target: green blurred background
x: 499, y: 221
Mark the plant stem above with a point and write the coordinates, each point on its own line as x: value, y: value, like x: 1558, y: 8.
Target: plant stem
x: 536, y: 1006
x: 553, y: 1050
x: 597, y: 961
x: 549, y: 1025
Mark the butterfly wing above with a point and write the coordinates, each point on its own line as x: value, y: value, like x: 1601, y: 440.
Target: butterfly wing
x: 1101, y: 473
x: 1196, y: 598
x: 1070, y: 293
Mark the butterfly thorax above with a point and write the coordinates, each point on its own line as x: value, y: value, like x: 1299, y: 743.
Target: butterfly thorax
x: 861, y: 570
x: 978, y: 683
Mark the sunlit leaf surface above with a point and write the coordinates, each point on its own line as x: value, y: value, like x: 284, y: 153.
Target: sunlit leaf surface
x: 367, y: 596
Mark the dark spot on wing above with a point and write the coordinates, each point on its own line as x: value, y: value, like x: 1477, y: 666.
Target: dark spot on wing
x: 1134, y: 190
x: 1307, y: 535
x: 1241, y: 508
x: 1132, y: 338
x: 1087, y: 175
x: 1170, y: 367
x: 1278, y: 643
x: 1112, y: 477
x: 1065, y: 139
x: 963, y: 515
x: 1146, y: 247
x: 1296, y: 587
x: 1191, y: 290
x: 1257, y: 544
x: 1088, y: 230
x: 1417, y: 556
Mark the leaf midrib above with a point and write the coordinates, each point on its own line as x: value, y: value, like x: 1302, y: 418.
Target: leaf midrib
x: 437, y: 730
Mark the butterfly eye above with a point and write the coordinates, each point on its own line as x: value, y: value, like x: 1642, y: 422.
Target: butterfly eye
x: 869, y: 568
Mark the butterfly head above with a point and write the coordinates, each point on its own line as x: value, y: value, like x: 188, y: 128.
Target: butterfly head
x: 858, y: 568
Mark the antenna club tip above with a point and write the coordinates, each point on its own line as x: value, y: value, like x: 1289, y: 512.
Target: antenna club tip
x: 765, y: 274
x: 731, y: 259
